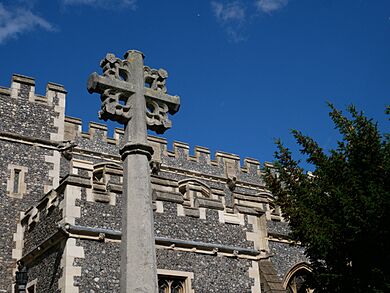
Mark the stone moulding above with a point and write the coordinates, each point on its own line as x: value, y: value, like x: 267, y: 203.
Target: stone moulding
x: 49, y: 144
x: 168, y: 196
x: 297, y: 267
x: 5, y: 91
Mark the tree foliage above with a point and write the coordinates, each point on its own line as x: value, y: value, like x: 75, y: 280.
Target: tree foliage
x: 341, y: 212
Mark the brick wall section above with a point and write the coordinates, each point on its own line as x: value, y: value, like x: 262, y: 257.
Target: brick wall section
x: 100, y: 272
x: 169, y: 225
x: 104, y: 215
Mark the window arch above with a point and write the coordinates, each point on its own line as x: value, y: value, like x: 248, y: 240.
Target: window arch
x: 296, y: 280
x: 193, y: 189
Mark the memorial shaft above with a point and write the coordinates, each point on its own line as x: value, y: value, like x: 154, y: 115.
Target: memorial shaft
x: 125, y: 99
x: 138, y: 260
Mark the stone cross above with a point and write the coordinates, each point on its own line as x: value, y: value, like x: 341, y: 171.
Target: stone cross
x: 136, y: 96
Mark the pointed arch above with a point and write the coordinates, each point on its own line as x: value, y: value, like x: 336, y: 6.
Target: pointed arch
x: 296, y: 278
x: 191, y: 183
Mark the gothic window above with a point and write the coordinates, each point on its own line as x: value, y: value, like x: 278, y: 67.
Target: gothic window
x: 298, y: 279
x: 32, y: 287
x: 174, y: 281
x: 16, y: 186
x: 170, y: 285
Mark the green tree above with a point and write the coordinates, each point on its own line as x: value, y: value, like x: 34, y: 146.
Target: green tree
x: 340, y: 213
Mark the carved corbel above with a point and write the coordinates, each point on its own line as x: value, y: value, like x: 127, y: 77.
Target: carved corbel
x: 155, y: 167
x: 66, y: 148
x: 231, y: 182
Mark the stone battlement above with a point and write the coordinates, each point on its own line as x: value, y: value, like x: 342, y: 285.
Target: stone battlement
x: 179, y: 150
x: 24, y: 87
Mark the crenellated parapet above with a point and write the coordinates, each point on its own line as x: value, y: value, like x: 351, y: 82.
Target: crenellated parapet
x: 195, y: 180
x: 28, y: 113
x: 23, y: 87
x: 230, y: 165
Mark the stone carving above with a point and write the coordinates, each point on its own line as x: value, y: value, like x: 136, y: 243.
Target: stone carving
x: 155, y: 167
x: 117, y: 89
x: 157, y: 116
x: 156, y: 78
x: 114, y: 67
x: 66, y: 148
x: 231, y: 182
x: 115, y: 106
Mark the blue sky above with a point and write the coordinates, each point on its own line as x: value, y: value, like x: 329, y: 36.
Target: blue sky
x: 247, y: 71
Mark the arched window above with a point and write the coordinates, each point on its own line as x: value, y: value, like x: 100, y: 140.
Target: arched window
x: 296, y: 280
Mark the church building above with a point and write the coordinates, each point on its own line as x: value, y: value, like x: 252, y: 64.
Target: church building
x: 215, y: 226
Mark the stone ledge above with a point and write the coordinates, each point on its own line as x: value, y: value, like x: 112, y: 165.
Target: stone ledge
x: 248, y: 210
x: 56, y: 87
x: 23, y: 138
x: 23, y: 79
x: 5, y: 91
x: 215, y: 204
x: 76, y: 180
x: 169, y: 196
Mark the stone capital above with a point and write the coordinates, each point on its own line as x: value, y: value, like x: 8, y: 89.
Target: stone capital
x: 136, y: 148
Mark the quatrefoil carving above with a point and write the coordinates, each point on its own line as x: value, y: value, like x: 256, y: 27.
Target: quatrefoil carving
x: 157, y: 116
x: 115, y: 68
x: 156, y: 79
x: 115, y: 106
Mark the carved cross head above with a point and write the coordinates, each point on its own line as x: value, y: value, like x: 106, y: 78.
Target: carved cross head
x: 118, y: 86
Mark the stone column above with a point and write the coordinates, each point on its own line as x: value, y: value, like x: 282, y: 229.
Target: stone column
x: 138, y: 260
x: 124, y: 99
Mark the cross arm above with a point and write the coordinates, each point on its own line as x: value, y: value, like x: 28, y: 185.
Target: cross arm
x: 98, y: 84
x: 173, y: 102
